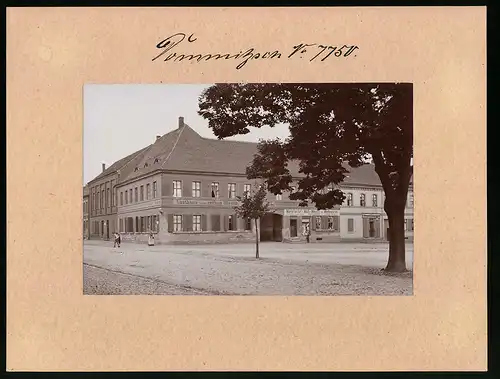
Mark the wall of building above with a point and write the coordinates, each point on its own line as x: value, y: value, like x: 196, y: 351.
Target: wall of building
x: 165, y: 206
x: 102, y: 210
x: 138, y: 215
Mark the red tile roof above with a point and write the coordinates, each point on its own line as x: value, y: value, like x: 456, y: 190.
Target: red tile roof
x: 122, y: 165
x: 185, y: 150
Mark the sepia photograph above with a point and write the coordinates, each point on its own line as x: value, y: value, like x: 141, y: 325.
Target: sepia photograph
x: 248, y: 189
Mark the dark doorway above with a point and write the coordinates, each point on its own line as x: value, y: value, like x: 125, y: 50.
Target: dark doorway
x: 107, y: 229
x: 277, y: 227
x: 293, y: 228
x: 371, y: 228
x: 271, y: 227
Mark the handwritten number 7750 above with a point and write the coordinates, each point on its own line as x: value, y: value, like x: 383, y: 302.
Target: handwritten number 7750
x: 324, y: 50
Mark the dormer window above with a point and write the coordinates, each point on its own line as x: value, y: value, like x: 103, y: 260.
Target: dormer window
x: 136, y: 169
x: 146, y: 164
x: 156, y: 160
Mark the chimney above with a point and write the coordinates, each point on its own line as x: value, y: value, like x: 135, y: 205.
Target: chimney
x: 158, y: 137
x: 103, y: 167
x: 181, y: 122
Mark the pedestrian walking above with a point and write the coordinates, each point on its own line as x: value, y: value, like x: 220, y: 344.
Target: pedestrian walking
x: 117, y: 240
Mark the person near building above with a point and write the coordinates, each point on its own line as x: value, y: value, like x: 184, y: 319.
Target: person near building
x: 151, y: 239
x: 307, y: 232
x: 117, y: 240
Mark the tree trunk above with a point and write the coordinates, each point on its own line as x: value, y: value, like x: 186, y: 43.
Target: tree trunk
x: 397, y: 254
x: 256, y: 239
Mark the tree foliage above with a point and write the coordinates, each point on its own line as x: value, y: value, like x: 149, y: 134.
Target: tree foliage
x: 332, y: 127
x: 253, y: 205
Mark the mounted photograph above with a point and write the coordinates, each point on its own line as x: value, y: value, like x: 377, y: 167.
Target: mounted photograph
x: 248, y: 189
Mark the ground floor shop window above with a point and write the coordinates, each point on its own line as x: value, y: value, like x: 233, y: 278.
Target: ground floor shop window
x: 318, y: 223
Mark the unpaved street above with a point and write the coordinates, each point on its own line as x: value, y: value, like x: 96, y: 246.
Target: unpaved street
x: 284, y: 269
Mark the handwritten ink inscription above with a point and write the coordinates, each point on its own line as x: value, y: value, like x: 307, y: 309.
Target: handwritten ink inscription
x: 311, y: 51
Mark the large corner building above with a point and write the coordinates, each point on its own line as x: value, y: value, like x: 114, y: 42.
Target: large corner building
x: 183, y: 188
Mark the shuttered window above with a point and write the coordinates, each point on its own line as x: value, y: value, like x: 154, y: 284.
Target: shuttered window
x: 197, y: 223
x: 177, y: 223
x: 216, y: 227
x: 204, y: 222
x: 188, y: 223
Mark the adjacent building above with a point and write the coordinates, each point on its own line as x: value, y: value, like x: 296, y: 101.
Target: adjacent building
x: 85, y: 207
x: 103, y: 203
x: 183, y: 188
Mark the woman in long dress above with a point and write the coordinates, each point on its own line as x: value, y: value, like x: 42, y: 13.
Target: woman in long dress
x: 151, y: 239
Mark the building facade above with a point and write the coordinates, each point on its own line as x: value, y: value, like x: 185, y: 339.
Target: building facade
x: 102, y: 214
x: 183, y: 188
x: 85, y: 207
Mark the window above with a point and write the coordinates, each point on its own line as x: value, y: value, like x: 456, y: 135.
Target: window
x: 279, y: 196
x: 155, y: 190
x: 410, y: 225
x: 215, y: 189
x: 248, y: 224
x: 230, y: 223
x: 374, y: 200
x: 330, y: 188
x: 231, y: 188
x: 196, y: 223
x: 406, y: 224
x: 141, y: 194
x: 136, y: 193
x: 246, y: 189
x: 177, y: 223
x: 121, y: 198
x: 126, y: 197
x: 362, y: 200
x: 349, y: 199
x: 102, y: 199
x: 177, y: 188
x: 196, y: 186
x: 318, y: 223
x: 350, y: 225
x: 330, y: 223
x: 410, y: 200
x: 113, y: 193
x: 130, y: 196
x: 148, y: 191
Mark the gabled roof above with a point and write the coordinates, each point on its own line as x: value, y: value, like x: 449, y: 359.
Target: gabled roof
x: 121, y: 164
x: 183, y: 149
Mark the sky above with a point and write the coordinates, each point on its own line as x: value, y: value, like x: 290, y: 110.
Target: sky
x: 120, y: 119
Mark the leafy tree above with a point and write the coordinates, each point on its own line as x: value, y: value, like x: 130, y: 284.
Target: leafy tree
x: 253, y: 206
x: 332, y: 126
